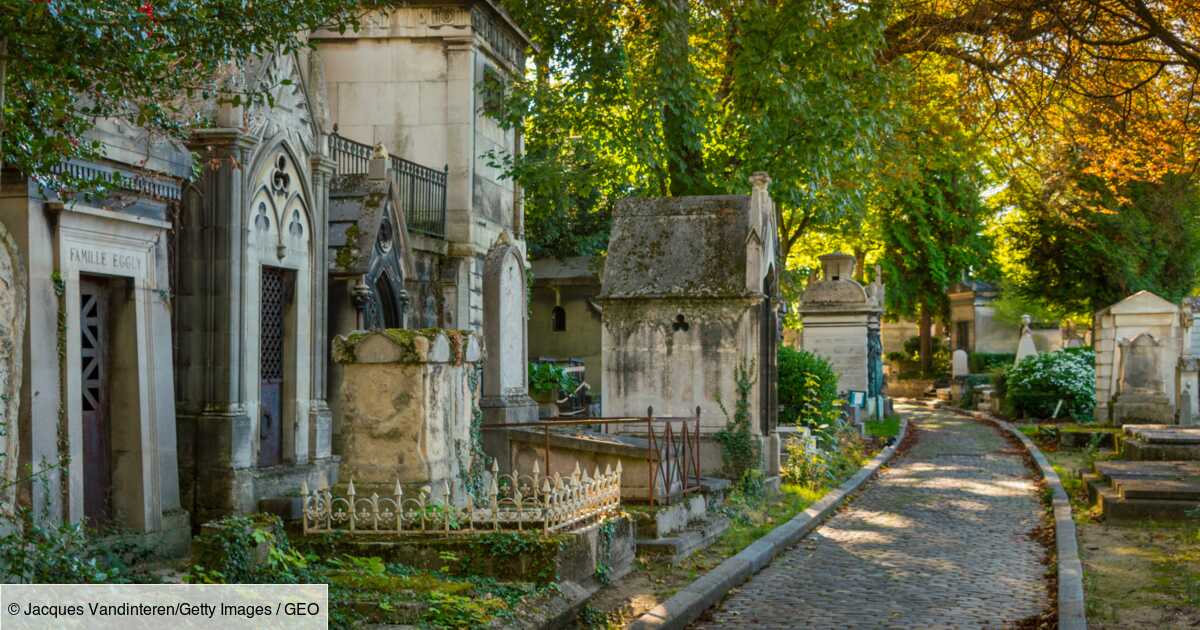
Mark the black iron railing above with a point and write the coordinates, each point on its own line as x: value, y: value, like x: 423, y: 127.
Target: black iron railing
x: 422, y: 190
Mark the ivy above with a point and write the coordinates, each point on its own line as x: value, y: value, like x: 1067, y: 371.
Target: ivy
x: 739, y: 447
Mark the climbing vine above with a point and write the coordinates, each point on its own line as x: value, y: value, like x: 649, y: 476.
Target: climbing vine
x: 64, y: 452
x: 608, y: 530
x: 739, y: 449
x: 472, y: 461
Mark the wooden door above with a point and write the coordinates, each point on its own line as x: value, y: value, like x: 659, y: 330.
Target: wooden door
x: 276, y: 291
x: 94, y: 364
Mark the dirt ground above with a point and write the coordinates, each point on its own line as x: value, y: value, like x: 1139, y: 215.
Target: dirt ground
x: 1145, y: 575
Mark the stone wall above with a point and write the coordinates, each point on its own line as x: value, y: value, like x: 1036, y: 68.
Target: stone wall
x: 405, y: 408
x: 12, y: 334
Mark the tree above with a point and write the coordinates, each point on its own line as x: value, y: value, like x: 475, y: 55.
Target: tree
x: 1088, y: 251
x: 674, y: 97
x: 1126, y: 70
x: 931, y: 216
x: 72, y: 62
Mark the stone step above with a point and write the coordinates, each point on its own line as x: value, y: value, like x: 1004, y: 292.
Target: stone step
x: 679, y: 546
x: 1121, y: 469
x: 1165, y: 489
x: 1136, y: 449
x: 1163, y: 433
x: 1118, y: 509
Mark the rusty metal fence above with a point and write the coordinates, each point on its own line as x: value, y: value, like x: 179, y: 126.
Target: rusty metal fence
x: 672, y: 446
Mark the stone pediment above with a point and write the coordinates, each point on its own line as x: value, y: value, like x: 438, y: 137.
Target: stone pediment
x: 366, y: 223
x: 1142, y: 302
x: 289, y: 110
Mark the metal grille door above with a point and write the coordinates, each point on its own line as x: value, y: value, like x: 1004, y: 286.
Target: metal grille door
x: 94, y: 380
x: 276, y: 292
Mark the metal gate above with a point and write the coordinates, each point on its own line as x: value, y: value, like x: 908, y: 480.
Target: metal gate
x: 276, y: 293
x: 94, y: 391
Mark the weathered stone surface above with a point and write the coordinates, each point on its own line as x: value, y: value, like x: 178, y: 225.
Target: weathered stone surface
x: 12, y: 333
x: 940, y: 539
x: 405, y: 409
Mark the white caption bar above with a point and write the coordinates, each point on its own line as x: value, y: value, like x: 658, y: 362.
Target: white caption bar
x: 159, y: 606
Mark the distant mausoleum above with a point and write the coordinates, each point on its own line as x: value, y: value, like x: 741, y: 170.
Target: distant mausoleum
x: 1142, y: 342
x: 841, y: 322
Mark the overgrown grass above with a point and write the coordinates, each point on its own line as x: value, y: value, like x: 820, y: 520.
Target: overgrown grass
x: 886, y: 428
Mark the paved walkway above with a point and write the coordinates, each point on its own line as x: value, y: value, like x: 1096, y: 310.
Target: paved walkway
x: 938, y: 540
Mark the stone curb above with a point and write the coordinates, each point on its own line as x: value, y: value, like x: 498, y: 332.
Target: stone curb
x: 1071, y: 612
x: 688, y: 604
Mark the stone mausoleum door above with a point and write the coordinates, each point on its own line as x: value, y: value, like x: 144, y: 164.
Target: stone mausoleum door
x: 94, y: 380
x: 276, y: 289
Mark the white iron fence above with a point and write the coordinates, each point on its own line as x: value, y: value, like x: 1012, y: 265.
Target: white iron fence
x: 513, y: 501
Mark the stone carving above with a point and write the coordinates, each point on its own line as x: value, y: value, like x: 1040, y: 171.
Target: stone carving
x: 1025, y: 347
x: 12, y: 333
x: 288, y: 108
x: 498, y: 36
x: 1140, y: 369
x: 1141, y: 394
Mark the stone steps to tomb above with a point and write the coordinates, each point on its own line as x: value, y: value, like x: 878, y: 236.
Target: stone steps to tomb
x: 1160, y: 442
x: 1131, y: 490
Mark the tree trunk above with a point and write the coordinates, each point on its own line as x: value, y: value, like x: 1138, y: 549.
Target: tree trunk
x: 926, y: 349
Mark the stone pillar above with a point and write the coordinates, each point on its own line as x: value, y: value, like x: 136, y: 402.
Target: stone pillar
x: 405, y: 410
x: 12, y: 334
x: 320, y: 424
x: 215, y: 431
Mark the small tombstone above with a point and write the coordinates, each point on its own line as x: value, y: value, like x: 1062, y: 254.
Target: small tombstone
x: 959, y: 364
x: 1140, y: 370
x: 1142, y: 396
x: 1025, y: 347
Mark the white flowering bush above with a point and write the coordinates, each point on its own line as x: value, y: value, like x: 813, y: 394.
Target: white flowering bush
x: 1038, y: 383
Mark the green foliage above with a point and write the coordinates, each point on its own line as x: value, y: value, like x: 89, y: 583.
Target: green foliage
x: 1036, y: 385
x: 739, y: 446
x: 808, y: 388
x: 547, y: 378
x: 910, y: 360
x: 246, y: 550
x: 980, y: 362
x: 814, y: 463
x: 1087, y: 249
x: 35, y: 552
x: 71, y: 63
x: 885, y: 428
x: 670, y: 97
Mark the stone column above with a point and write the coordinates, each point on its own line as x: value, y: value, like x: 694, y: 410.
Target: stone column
x: 320, y: 417
x: 215, y: 431
x: 12, y: 334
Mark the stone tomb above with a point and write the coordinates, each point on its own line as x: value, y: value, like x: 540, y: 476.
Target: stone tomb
x: 689, y: 299
x: 1138, y: 346
x: 405, y: 406
x: 841, y: 323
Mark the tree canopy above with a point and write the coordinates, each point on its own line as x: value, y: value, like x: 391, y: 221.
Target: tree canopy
x: 71, y: 62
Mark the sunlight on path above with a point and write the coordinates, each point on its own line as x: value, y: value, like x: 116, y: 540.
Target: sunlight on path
x: 939, y: 540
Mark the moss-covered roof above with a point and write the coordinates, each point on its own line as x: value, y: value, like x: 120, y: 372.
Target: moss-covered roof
x: 683, y: 247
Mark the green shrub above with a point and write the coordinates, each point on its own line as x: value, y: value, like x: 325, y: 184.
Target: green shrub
x: 246, y: 550
x: 38, y: 553
x: 1035, y: 385
x: 909, y: 361
x: 546, y: 378
x: 808, y: 389
x: 979, y: 362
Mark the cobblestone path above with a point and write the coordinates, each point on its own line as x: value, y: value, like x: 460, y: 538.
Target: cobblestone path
x: 938, y: 540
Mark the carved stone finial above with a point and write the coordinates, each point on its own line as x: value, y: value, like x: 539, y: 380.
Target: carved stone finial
x: 380, y: 152
x: 760, y: 179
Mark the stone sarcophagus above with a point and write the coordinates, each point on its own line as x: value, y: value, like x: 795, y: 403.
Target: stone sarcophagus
x: 405, y: 407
